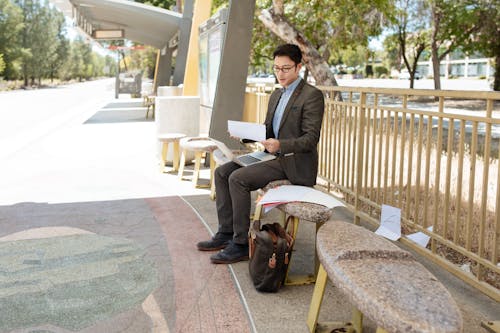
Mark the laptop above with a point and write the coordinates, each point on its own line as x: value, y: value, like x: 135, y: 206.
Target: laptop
x: 245, y: 159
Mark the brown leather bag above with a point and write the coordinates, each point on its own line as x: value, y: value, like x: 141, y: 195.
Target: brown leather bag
x: 270, y: 251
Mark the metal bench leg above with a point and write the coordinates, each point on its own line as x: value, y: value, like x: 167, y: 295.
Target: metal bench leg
x: 491, y: 326
x: 257, y: 213
x: 356, y: 324
x: 357, y: 320
x: 317, y: 298
x: 316, y: 259
x: 300, y: 279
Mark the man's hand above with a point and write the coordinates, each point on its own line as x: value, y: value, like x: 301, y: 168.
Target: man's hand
x: 271, y: 145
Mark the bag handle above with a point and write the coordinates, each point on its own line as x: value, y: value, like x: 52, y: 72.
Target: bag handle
x: 284, y: 233
x: 288, y: 219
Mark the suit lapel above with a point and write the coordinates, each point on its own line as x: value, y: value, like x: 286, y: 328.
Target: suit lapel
x: 274, y: 104
x: 292, y: 99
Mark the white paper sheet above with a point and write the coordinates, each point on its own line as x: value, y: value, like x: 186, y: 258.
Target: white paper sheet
x: 224, y: 149
x: 390, y: 223
x: 246, y: 130
x: 290, y: 193
x: 420, y: 238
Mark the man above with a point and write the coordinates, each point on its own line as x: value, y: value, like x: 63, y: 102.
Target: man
x: 293, y: 125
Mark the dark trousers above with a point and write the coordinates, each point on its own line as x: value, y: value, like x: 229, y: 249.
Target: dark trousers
x: 233, y: 185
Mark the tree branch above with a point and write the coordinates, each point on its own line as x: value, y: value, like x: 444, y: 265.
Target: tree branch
x: 278, y: 7
x: 279, y: 25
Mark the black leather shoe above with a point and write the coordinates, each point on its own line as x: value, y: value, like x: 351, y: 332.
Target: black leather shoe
x: 232, y: 253
x: 218, y: 241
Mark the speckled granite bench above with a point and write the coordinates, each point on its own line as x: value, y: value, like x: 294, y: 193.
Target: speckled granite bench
x: 298, y: 211
x: 382, y: 282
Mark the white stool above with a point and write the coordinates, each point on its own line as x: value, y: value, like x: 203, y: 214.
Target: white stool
x: 166, y: 139
x: 199, y: 145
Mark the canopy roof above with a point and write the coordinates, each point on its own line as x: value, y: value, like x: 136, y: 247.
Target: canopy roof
x: 141, y: 23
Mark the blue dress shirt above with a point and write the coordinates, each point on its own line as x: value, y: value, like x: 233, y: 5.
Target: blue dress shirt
x: 280, y: 109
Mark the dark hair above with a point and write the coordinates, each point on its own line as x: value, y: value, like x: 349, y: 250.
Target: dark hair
x: 290, y: 50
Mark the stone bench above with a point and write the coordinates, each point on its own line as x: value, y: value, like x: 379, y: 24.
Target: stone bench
x: 382, y: 282
x: 298, y: 211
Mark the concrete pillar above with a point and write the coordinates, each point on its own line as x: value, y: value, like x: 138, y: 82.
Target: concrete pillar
x: 164, y: 68
x: 182, y: 49
x: 201, y: 13
x: 230, y: 91
x: 177, y: 114
x: 169, y: 91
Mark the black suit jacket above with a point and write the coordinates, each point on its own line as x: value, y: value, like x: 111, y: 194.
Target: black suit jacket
x: 299, y: 132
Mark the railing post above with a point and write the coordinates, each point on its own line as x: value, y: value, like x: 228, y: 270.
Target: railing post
x: 360, y: 137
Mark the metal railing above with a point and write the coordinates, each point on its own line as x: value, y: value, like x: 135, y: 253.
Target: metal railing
x: 434, y: 155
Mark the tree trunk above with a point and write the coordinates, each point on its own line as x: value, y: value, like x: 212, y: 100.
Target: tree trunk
x: 436, y: 19
x: 435, y: 67
x: 312, y: 59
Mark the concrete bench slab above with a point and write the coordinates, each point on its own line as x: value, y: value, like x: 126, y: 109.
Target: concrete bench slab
x: 383, y: 282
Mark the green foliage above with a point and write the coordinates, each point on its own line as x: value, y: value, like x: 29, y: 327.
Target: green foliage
x: 380, y: 71
x: 392, y: 53
x: 83, y: 64
x: 350, y: 56
x: 144, y: 60
x: 11, y: 23
x: 166, y: 4
x: 330, y: 26
x: 486, y: 15
x: 41, y: 39
x: 34, y: 44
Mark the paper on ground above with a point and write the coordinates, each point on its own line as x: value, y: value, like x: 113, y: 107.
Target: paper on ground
x: 390, y: 223
x: 246, y: 130
x: 420, y: 238
x: 289, y: 193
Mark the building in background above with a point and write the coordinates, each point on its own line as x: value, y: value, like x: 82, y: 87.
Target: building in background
x: 459, y: 65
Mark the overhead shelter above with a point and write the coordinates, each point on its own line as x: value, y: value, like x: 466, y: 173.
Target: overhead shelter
x: 116, y: 19
x: 168, y: 30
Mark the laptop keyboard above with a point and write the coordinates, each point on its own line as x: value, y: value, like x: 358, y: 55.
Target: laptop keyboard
x: 247, y: 159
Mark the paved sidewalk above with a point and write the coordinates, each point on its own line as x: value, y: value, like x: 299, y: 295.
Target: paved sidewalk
x: 94, y: 239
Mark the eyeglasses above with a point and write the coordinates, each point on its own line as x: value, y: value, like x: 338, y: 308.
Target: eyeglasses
x: 284, y: 69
